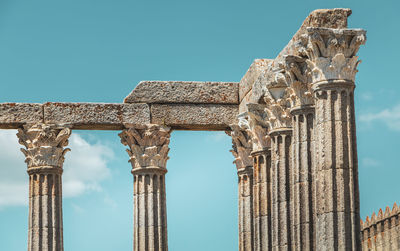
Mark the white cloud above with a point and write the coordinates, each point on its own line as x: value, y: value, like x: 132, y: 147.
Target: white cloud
x: 85, y: 168
x: 77, y: 208
x: 13, y: 176
x: 391, y: 117
x: 369, y: 162
x: 367, y: 96
x: 110, y: 201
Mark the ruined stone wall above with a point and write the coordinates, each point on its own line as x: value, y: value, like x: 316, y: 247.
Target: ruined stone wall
x: 292, y: 123
x: 300, y: 107
x: 382, y: 231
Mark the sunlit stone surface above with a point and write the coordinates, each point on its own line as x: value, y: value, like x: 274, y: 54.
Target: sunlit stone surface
x: 292, y: 123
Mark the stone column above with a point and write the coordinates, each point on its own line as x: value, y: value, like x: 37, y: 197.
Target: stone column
x: 303, y: 185
x: 303, y: 188
x: 262, y: 199
x: 44, y: 156
x: 279, y: 119
x: 333, y: 65
x: 281, y: 195
x: 262, y: 188
x: 148, y: 151
x: 241, y: 144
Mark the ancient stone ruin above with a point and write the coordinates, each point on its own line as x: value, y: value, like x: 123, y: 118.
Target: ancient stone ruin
x: 293, y: 130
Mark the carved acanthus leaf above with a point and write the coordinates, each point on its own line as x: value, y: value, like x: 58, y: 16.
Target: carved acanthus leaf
x: 296, y: 69
x: 300, y: 94
x: 241, y: 146
x: 278, y: 111
x: 44, y: 144
x: 299, y: 80
x: 327, y: 43
x: 338, y: 67
x: 258, y: 126
x: 148, y: 146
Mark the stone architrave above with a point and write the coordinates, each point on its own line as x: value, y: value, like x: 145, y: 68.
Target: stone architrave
x: 333, y: 62
x: 45, y: 156
x: 148, y: 151
x: 242, y: 147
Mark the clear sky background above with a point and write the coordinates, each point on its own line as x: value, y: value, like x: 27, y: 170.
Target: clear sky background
x: 97, y: 51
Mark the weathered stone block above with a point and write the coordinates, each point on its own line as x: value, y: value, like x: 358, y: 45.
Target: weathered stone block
x: 136, y: 114
x: 246, y: 83
x: 184, y: 92
x: 96, y: 116
x: 13, y: 115
x: 194, y: 117
x: 325, y: 18
x: 243, y: 103
x: 265, y: 200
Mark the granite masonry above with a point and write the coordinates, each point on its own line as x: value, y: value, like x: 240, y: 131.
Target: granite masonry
x: 292, y: 124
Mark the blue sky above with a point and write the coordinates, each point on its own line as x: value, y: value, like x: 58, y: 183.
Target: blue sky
x: 97, y: 51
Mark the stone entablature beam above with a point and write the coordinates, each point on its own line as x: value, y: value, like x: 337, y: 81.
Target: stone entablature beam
x: 44, y: 151
x: 210, y: 117
x: 15, y: 115
x: 96, y: 116
x: 184, y: 92
x: 107, y: 116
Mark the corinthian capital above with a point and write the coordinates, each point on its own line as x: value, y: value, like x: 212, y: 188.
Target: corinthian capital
x: 332, y: 53
x: 327, y: 43
x: 241, y: 146
x: 148, y: 146
x: 44, y: 144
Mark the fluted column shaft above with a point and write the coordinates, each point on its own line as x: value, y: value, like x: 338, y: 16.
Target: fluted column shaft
x: 281, y: 195
x: 262, y: 200
x: 338, y: 219
x: 44, y: 156
x: 241, y: 150
x: 150, y: 217
x: 148, y: 151
x: 303, y: 186
x: 245, y: 185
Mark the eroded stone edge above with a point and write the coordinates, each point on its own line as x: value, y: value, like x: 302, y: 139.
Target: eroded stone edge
x: 185, y: 92
x: 194, y: 116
